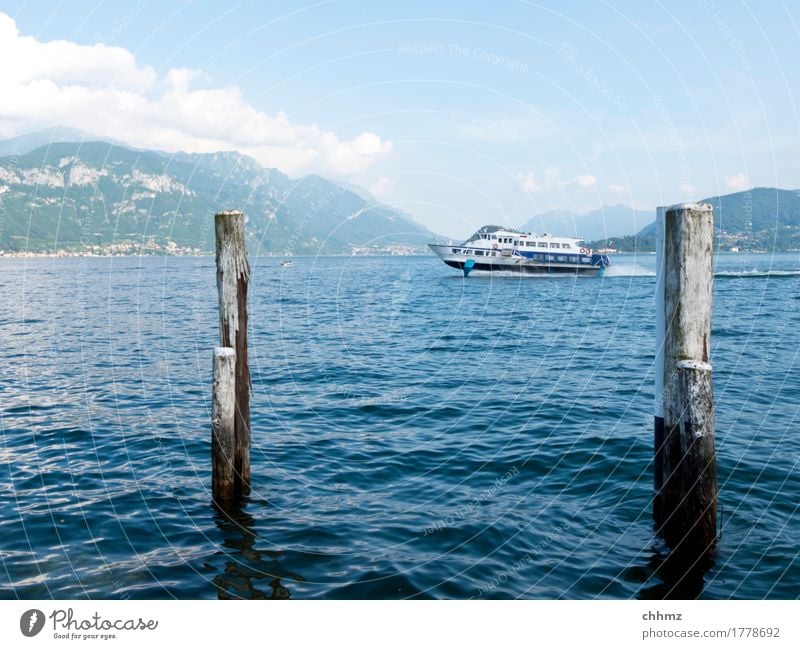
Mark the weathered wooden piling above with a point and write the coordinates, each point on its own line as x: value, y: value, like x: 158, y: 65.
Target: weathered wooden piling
x: 658, y: 421
x: 685, y: 505
x: 223, y: 427
x: 233, y: 275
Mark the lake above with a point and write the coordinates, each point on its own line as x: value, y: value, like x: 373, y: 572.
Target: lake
x: 415, y: 434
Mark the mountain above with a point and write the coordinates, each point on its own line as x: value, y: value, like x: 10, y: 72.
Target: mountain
x: 70, y: 195
x: 761, y: 218
x: 23, y: 144
x: 358, y: 191
x: 607, y: 221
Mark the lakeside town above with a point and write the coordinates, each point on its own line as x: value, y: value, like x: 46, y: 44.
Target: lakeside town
x: 170, y: 248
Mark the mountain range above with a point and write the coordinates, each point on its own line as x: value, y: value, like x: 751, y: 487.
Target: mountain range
x: 78, y: 195
x: 61, y: 192
x: 759, y: 219
x: 603, y: 223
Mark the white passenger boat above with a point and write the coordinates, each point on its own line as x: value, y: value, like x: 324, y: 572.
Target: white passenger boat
x: 495, y: 248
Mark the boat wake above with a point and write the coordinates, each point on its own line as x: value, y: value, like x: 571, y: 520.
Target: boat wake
x: 628, y: 270
x: 758, y: 273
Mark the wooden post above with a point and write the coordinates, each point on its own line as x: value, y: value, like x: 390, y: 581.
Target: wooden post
x: 686, y: 505
x: 233, y: 275
x: 223, y: 427
x: 658, y: 419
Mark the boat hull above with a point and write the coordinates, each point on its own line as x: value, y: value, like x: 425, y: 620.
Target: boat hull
x: 514, y: 264
x: 528, y: 268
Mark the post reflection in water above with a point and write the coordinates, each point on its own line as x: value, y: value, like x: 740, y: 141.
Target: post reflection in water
x: 681, y: 573
x: 248, y: 573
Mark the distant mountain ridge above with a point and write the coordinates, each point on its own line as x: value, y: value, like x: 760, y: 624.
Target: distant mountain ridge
x: 22, y: 144
x: 72, y: 195
x: 81, y: 194
x: 762, y: 218
x: 604, y: 222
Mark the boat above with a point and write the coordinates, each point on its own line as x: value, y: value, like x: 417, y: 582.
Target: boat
x: 287, y: 262
x: 496, y: 248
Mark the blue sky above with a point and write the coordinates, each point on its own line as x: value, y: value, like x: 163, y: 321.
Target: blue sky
x: 461, y: 113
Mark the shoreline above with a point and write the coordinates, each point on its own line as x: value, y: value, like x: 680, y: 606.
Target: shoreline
x: 85, y: 255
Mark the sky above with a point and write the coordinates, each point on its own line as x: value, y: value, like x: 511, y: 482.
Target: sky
x: 462, y: 114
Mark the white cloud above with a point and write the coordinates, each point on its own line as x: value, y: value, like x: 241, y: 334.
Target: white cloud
x: 617, y: 189
x: 529, y: 183
x: 67, y: 63
x: 738, y: 182
x: 382, y: 186
x: 532, y: 184
x: 104, y: 91
x: 586, y: 180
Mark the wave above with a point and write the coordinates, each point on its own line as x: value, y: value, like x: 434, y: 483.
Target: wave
x: 757, y: 273
x: 628, y: 270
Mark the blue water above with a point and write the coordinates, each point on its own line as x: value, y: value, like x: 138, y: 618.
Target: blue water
x: 415, y: 434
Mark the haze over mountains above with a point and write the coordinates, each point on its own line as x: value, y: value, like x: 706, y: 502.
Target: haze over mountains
x: 602, y: 223
x: 759, y: 219
x: 73, y: 195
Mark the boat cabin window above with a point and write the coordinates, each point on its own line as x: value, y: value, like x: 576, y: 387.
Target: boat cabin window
x: 566, y: 245
x: 554, y: 245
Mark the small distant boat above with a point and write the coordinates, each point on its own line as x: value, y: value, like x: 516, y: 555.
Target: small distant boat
x: 495, y: 248
x: 287, y: 262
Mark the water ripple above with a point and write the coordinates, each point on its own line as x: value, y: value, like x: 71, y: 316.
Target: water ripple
x: 415, y: 435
